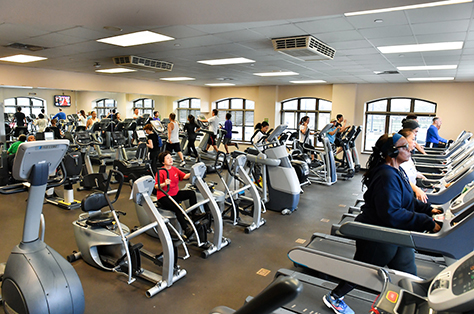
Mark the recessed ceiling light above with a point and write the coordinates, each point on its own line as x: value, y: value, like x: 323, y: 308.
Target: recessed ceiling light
x: 428, y: 67
x: 430, y: 79
x: 287, y: 73
x: 115, y: 70
x: 177, y: 78
x: 226, y: 61
x: 422, y: 47
x: 134, y: 39
x: 220, y: 84
x: 22, y: 58
x: 408, y: 7
x: 308, y: 82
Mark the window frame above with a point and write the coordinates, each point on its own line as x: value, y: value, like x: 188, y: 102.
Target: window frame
x: 388, y: 114
x: 99, y: 109
x: 142, y: 109
x: 29, y: 107
x: 245, y: 109
x: 185, y: 105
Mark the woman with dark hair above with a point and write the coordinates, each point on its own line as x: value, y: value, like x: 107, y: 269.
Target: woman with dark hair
x: 304, y: 134
x: 261, y: 131
x: 389, y: 202
x: 191, y: 128
x: 175, y: 175
x: 153, y: 144
x: 81, y: 119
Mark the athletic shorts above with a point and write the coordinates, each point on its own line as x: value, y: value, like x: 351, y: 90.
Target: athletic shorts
x: 226, y: 140
x: 173, y: 147
x: 212, y: 139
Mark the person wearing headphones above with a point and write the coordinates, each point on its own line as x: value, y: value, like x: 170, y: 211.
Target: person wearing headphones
x: 389, y: 202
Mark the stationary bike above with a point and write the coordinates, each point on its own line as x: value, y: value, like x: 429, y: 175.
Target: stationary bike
x: 37, y: 279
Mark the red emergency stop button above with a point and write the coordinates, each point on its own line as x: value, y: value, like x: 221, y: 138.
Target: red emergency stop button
x: 392, y: 296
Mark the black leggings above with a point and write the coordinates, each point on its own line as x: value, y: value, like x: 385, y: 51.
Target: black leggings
x: 182, y: 195
x: 192, y: 148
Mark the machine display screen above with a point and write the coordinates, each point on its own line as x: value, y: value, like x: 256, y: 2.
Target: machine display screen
x: 463, y: 278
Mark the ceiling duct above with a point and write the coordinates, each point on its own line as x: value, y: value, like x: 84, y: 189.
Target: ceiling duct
x: 386, y: 72
x: 25, y: 47
x: 144, y: 64
x: 306, y: 48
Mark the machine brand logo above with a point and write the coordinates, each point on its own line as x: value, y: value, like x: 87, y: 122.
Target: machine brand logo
x: 392, y: 296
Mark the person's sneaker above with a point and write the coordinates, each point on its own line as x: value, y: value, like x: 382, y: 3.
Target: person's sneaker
x: 337, y: 305
x: 182, y: 164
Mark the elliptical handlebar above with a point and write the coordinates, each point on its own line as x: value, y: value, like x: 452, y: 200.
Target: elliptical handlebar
x: 159, y: 183
x: 107, y: 185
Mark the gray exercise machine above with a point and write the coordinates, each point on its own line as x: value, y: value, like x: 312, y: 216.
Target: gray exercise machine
x: 104, y: 242
x: 37, y: 279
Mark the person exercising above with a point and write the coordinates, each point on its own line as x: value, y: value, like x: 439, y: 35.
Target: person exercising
x: 261, y: 131
x: 389, y: 202
x: 432, y: 136
x: 175, y: 175
x: 153, y: 144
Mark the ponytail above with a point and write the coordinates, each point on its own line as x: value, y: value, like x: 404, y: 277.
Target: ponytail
x: 376, y: 159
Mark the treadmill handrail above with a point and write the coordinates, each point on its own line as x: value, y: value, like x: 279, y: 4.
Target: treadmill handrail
x: 358, y: 230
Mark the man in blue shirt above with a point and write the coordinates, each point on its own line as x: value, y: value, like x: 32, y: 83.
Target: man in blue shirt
x: 60, y: 115
x: 432, y: 136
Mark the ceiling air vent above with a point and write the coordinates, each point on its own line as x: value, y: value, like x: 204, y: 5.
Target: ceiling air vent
x: 306, y: 48
x: 144, y: 64
x: 386, y: 72
x: 25, y: 47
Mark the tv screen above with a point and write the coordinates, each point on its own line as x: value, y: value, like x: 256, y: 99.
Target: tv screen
x: 62, y: 101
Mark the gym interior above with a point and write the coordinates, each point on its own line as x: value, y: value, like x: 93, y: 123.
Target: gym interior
x: 251, y: 261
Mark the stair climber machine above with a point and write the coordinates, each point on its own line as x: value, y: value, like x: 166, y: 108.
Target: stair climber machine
x: 90, y: 179
x: 73, y: 163
x: 37, y: 279
x: 100, y: 155
x: 104, y: 242
x: 301, y: 167
x: 323, y: 169
x: 280, y: 185
x: 211, y: 153
x: 346, y: 167
x: 241, y: 195
x: 353, y: 149
x: 200, y: 227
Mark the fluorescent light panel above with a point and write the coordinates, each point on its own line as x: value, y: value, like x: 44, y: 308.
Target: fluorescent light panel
x: 287, y: 73
x: 174, y: 79
x: 308, y: 82
x: 115, y: 70
x: 408, y: 7
x: 226, y: 61
x: 428, y: 67
x: 414, y: 79
x: 134, y: 39
x: 22, y: 58
x: 422, y: 47
x: 220, y: 84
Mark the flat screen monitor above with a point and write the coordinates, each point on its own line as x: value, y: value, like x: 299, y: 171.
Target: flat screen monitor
x: 62, y: 101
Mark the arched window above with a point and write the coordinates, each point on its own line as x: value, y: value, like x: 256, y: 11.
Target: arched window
x: 318, y: 110
x: 385, y: 116
x: 29, y: 105
x: 242, y: 116
x: 144, y: 105
x: 186, y: 107
x: 104, y: 106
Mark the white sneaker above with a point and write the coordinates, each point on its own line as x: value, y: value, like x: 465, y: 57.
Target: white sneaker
x: 182, y: 164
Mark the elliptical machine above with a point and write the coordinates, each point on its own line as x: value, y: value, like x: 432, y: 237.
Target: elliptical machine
x: 37, y: 279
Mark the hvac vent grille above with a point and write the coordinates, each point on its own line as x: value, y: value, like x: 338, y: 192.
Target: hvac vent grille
x: 25, y: 47
x: 141, y: 62
x: 304, y: 47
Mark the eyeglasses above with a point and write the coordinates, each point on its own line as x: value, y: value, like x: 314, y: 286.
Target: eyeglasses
x: 406, y: 146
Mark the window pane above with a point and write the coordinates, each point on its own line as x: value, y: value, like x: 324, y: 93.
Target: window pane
x: 395, y: 124
x: 249, y: 104
x: 325, y: 105
x: 424, y: 106
x: 196, y: 103
x: 238, y: 117
x: 224, y: 104
x: 183, y: 104
x: 424, y: 123
x: 110, y: 103
x: 36, y: 110
x: 323, y: 120
x: 249, y: 118
x: 375, y: 127
x: 195, y: 113
x: 248, y: 133
x: 290, y: 105
x: 380, y: 105
x: 221, y: 115
x: 37, y: 102
x: 308, y: 104
x: 312, y: 120
x: 23, y: 102
x: 237, y: 103
x: 9, y: 102
x: 400, y: 105
x: 183, y: 115
x: 138, y: 104
x: 289, y: 119
x: 148, y: 103
x: 10, y: 109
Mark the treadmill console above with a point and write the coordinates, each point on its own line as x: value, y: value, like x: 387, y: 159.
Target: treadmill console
x: 277, y: 132
x: 466, y: 197
x: 453, y: 288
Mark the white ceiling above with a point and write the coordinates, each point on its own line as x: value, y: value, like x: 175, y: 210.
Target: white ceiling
x: 209, y: 29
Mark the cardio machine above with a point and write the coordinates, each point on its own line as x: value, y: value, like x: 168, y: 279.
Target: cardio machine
x: 37, y: 279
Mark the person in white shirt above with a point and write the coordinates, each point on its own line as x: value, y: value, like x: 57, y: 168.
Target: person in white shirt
x: 262, y: 129
x: 41, y: 122
x: 92, y: 120
x: 173, y: 138
x: 409, y: 166
x: 82, y: 119
x: 214, y: 127
x: 135, y: 114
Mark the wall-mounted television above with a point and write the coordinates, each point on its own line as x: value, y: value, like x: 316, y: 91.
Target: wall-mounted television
x: 62, y: 101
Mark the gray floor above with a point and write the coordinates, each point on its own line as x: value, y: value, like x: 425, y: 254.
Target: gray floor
x: 225, y: 278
